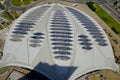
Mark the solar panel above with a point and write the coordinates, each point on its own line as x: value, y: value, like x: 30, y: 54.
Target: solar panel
x: 60, y: 20
x: 89, y: 27
x: 22, y: 29
x: 27, y: 18
x: 90, y: 23
x: 60, y: 23
x: 62, y: 36
x: 16, y: 39
x: 98, y: 36
x: 63, y: 29
x: 62, y: 48
x: 66, y: 26
x: 24, y: 26
x: 75, y: 12
x: 19, y: 32
x: 83, y: 36
x: 35, y: 41
x: 84, y: 20
x: 18, y: 36
x: 37, y: 37
x: 87, y: 48
x: 29, y: 21
x: 61, y: 44
x: 62, y: 57
x: 96, y: 33
x: 100, y: 40
x: 62, y: 40
x: 84, y: 39
x: 93, y: 30
x: 38, y: 33
x: 86, y: 43
x: 26, y: 23
x: 102, y: 44
x: 56, y: 32
x: 62, y: 52
x: 61, y: 26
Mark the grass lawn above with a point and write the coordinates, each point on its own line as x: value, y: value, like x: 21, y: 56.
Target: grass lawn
x: 21, y: 2
x: 108, y: 19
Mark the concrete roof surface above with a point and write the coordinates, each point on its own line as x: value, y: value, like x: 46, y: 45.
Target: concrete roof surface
x: 58, y: 40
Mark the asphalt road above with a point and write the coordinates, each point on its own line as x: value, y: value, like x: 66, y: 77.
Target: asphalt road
x: 112, y: 11
x: 14, y: 8
x: 84, y: 1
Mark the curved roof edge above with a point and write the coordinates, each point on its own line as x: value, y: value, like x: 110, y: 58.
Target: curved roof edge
x: 71, y: 78
x: 22, y: 55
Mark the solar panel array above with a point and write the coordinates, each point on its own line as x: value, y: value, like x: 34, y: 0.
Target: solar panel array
x: 61, y: 35
x: 28, y: 22
x: 85, y: 42
x: 92, y: 29
x: 20, y: 31
x: 36, y: 39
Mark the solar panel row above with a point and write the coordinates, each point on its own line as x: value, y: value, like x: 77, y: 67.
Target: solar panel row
x: 36, y: 39
x: 62, y: 40
x: 92, y: 29
x: 27, y: 23
x: 62, y: 52
x: 64, y: 26
x: 20, y: 31
x: 85, y: 42
x: 61, y: 57
x: 61, y: 34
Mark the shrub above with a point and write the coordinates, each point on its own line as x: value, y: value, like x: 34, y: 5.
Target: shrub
x: 115, y: 30
x: 91, y: 6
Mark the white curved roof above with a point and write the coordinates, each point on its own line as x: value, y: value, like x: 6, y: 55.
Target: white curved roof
x: 56, y: 41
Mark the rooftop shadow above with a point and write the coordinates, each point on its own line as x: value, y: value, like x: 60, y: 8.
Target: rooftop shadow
x: 54, y: 72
